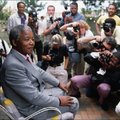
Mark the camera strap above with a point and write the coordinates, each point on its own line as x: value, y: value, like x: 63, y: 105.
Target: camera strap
x: 3, y: 44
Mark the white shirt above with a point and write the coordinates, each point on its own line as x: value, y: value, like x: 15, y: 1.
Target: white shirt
x: 6, y: 47
x: 15, y: 20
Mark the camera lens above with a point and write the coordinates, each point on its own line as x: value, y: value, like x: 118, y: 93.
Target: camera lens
x: 106, y: 29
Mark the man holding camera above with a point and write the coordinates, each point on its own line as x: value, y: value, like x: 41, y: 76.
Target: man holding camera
x: 104, y: 75
x: 112, y: 13
x: 51, y: 23
x: 74, y: 15
x: 110, y: 29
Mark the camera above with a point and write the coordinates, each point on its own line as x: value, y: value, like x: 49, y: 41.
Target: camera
x: 105, y: 58
x: 97, y: 45
x: 107, y: 27
x: 33, y: 14
x: 65, y: 13
x: 76, y: 28
x: 56, y: 29
x: 54, y: 56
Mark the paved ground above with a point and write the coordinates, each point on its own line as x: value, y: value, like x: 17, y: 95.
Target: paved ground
x: 89, y: 109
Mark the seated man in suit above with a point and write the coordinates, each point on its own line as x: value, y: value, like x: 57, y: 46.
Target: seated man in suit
x: 24, y: 83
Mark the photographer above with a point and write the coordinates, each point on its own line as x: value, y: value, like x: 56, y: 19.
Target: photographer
x: 73, y: 32
x: 105, y: 75
x: 51, y: 25
x: 111, y: 13
x: 55, y: 56
x: 33, y: 23
x: 110, y: 29
x: 4, y: 50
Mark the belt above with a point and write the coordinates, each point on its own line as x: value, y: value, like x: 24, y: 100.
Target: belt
x: 55, y: 65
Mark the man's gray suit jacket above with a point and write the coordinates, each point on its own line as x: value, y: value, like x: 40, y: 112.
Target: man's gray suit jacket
x: 23, y: 83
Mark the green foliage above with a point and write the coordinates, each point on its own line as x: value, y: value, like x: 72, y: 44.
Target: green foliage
x: 32, y: 4
x: 91, y: 21
x: 4, y: 15
x: 2, y: 4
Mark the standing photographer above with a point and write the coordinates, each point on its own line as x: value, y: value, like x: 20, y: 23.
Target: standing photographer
x: 111, y: 13
x: 33, y: 23
x: 110, y: 29
x: 74, y: 31
x: 50, y: 24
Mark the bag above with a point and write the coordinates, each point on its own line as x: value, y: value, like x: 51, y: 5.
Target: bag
x: 75, y: 57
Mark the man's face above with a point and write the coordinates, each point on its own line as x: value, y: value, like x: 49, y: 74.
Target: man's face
x: 21, y: 8
x: 114, y: 62
x: 111, y: 10
x: 26, y: 42
x: 51, y: 11
x: 73, y: 9
x: 106, y: 46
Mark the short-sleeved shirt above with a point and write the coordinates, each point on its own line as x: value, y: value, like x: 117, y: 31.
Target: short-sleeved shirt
x: 101, y: 19
x: 57, y: 54
x: 77, y: 17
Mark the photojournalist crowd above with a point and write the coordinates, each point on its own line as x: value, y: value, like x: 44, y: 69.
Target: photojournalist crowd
x: 52, y: 58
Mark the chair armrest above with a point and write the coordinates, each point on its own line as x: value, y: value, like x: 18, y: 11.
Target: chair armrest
x: 43, y: 110
x: 6, y: 112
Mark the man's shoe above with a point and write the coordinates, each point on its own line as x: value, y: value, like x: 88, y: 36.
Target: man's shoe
x: 105, y: 106
x: 73, y: 90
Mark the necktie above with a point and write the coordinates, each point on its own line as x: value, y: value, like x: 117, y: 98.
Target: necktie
x: 27, y: 58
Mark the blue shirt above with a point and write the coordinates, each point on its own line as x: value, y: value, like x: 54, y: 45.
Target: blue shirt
x: 76, y: 17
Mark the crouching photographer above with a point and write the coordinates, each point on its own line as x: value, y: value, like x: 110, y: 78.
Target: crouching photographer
x: 54, y: 57
x: 104, y: 75
x: 104, y: 79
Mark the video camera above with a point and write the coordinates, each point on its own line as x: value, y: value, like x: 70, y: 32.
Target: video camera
x: 107, y: 27
x: 33, y: 14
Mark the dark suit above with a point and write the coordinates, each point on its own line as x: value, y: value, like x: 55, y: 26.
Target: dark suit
x: 23, y: 83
